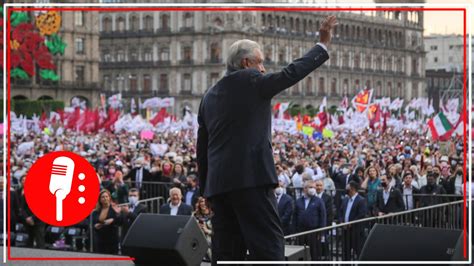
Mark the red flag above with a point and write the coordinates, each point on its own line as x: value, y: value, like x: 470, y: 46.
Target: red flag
x: 112, y: 117
x: 323, y: 117
x: 276, y: 107
x: 306, y: 119
x: 340, y: 119
x: 159, y: 117
x: 374, y: 114
x: 43, y: 121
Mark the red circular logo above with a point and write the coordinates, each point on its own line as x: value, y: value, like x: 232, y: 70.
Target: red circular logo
x: 62, y: 188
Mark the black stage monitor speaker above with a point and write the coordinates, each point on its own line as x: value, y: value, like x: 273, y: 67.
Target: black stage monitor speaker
x: 155, y: 239
x: 405, y: 243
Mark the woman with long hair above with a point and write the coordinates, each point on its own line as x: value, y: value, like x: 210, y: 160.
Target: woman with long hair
x: 203, y: 215
x: 105, y: 219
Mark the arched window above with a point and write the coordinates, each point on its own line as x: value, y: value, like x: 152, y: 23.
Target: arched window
x: 106, y: 24
x: 120, y: 23
x: 134, y: 24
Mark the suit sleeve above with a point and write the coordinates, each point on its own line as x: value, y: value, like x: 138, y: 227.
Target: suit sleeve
x: 322, y: 213
x: 288, y: 211
x: 330, y: 211
x: 362, y: 213
x: 271, y: 84
x: 400, y: 203
x: 201, y: 150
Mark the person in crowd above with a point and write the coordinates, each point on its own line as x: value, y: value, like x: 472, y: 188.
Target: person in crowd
x: 34, y: 226
x: 431, y: 193
x: 353, y: 207
x: 191, y: 194
x: 203, y: 215
x: 409, y: 192
x: 175, y: 205
x: 285, y: 208
x: 389, y: 199
x: 179, y: 175
x: 138, y: 175
x: 283, y: 177
x: 309, y: 214
x: 106, y: 219
x: 297, y: 180
x: 131, y: 211
x: 327, y: 199
x: 118, y: 188
x: 371, y: 184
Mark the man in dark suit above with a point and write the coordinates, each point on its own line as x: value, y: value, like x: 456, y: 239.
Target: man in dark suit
x: 409, y: 192
x: 176, y: 205
x: 234, y: 152
x: 310, y: 214
x: 285, y: 209
x: 353, y: 207
x: 389, y: 199
x: 328, y: 203
x: 191, y: 193
x: 130, y: 212
x: 138, y: 175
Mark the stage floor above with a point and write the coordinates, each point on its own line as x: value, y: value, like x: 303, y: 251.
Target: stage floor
x: 43, y: 253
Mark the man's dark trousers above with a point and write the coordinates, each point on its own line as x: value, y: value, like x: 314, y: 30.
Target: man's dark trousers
x: 246, y: 219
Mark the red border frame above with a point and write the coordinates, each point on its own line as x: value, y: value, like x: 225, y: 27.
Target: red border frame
x: 120, y: 9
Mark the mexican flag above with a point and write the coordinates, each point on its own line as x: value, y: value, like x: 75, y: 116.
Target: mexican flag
x: 439, y: 126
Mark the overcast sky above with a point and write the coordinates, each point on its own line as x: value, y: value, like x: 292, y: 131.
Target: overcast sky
x: 443, y: 22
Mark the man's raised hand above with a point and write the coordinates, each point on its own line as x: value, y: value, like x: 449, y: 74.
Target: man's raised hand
x: 327, y: 26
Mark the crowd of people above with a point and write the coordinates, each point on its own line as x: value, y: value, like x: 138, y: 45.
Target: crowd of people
x: 321, y: 182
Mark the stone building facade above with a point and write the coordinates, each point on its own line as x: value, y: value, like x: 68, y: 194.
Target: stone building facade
x: 181, y: 54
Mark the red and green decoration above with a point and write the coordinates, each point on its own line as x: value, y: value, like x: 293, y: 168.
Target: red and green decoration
x: 33, y: 45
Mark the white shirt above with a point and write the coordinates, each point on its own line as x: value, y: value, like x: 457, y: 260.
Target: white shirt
x: 458, y: 187
x: 320, y: 195
x: 174, y: 209
x: 306, y: 202
x: 139, y: 177
x: 278, y: 197
x: 349, y: 207
x: 386, y: 195
x: 408, y: 197
x: 318, y: 174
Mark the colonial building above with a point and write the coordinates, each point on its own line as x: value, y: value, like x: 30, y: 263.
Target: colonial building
x: 78, y: 68
x: 182, y: 54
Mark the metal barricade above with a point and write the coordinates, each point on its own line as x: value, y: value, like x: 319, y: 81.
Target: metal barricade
x: 345, y: 241
x: 152, y: 189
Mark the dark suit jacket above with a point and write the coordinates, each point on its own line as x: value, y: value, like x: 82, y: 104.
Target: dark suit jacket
x: 182, y: 210
x: 328, y: 203
x: 194, y: 198
x: 133, y: 174
x: 129, y: 218
x: 358, y: 211
x: 285, y: 211
x: 310, y: 218
x: 234, y: 148
x: 394, y: 204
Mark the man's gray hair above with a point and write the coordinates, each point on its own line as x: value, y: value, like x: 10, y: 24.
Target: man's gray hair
x: 238, y: 51
x: 308, y: 183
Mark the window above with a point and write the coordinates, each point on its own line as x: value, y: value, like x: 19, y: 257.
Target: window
x: 163, y: 82
x: 334, y: 87
x: 78, y: 18
x: 334, y: 59
x: 215, y: 52
x: 186, y: 83
x: 148, y: 55
x: 450, y: 59
x: 79, y: 44
x: 120, y: 55
x: 187, y: 53
x: 357, y: 60
x: 146, y: 83
x: 107, y: 83
x: 433, y: 47
x: 321, y: 89
x: 345, y: 60
x: 148, y: 23
x: 309, y: 86
x: 435, y: 59
x: 134, y: 25
x: 133, y: 55
x: 414, y: 66
x: 120, y: 82
x: 120, y: 24
x: 281, y: 55
x: 214, y: 77
x: 368, y: 62
x: 79, y: 74
x: 133, y: 83
x: 106, y: 25
x: 188, y: 20
x: 106, y: 57
x: 165, y: 22
x: 165, y: 54
x: 451, y: 47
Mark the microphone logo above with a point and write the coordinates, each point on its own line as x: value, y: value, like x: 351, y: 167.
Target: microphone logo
x: 61, y: 188
x: 61, y: 181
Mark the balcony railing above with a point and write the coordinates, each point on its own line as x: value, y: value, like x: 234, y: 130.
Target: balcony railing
x: 186, y: 62
x: 214, y: 61
x: 166, y: 30
x: 186, y: 29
